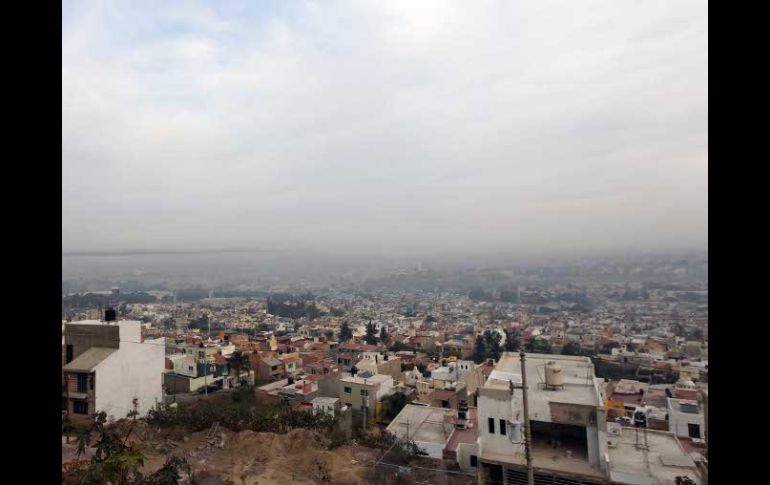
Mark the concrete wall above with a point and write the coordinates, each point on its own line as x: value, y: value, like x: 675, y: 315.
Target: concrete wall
x: 84, y: 336
x: 355, y: 398
x: 464, y: 452
x: 134, y: 371
x: 496, y: 404
x: 678, y: 422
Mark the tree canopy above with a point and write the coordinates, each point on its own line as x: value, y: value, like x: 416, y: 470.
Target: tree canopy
x: 345, y: 332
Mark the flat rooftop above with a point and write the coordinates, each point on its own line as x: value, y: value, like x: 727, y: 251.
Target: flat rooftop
x: 424, y: 424
x: 368, y: 381
x: 580, y: 383
x: 661, y: 463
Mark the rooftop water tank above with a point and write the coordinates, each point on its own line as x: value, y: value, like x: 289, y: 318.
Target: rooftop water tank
x: 553, y: 375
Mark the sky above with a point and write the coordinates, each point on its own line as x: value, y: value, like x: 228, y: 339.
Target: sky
x: 385, y: 127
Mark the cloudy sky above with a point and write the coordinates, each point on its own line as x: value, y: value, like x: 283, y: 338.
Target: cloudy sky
x: 385, y: 125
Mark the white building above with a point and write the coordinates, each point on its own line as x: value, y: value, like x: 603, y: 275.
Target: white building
x: 325, y: 405
x: 109, y: 365
x: 568, y: 433
x: 686, y: 419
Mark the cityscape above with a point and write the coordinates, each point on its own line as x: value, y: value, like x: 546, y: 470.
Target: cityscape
x: 430, y: 358
x: 439, y: 242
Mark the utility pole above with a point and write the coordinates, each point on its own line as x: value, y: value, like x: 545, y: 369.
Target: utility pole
x: 527, y: 430
x: 206, y: 365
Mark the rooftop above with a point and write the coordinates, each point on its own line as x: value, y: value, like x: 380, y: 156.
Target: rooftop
x: 368, y: 381
x: 580, y: 384
x: 88, y: 360
x: 662, y: 463
x: 424, y: 424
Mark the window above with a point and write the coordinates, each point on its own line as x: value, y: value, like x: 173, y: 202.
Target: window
x: 502, y: 427
x: 474, y: 461
x: 348, y: 390
x: 80, y: 407
x: 201, y: 354
x: 364, y: 392
x: 82, y: 382
x: 93, y: 381
x: 69, y: 353
x: 189, y: 367
x: 693, y: 430
x: 491, y: 422
x: 444, y: 403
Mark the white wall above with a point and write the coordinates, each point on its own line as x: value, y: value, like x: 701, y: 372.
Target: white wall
x: 678, y: 421
x: 134, y: 371
x: 464, y: 452
x: 489, y: 407
x: 386, y: 388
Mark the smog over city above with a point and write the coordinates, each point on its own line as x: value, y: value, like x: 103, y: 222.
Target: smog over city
x: 384, y: 131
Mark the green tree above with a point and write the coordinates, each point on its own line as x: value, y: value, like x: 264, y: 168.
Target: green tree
x: 238, y: 362
x: 511, y: 340
x: 571, y: 348
x: 479, y: 350
x: 345, y: 332
x: 393, y: 404
x: 540, y: 346
x: 492, y: 341
x: 371, y: 333
x: 399, y: 346
x: 115, y: 461
x: 384, y: 337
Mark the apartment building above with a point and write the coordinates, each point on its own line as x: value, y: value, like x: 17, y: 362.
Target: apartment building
x: 109, y: 365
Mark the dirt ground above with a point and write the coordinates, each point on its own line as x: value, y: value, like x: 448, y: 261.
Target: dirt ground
x: 250, y: 458
x: 246, y: 458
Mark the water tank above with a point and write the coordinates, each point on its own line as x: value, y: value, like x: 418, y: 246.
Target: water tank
x: 110, y: 315
x: 553, y: 375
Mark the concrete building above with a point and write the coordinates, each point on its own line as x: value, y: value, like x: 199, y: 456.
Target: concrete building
x: 366, y: 392
x: 429, y: 427
x: 686, y: 419
x: 660, y: 460
x: 567, y: 419
x: 571, y: 442
x: 326, y: 405
x: 108, y: 365
x: 381, y: 363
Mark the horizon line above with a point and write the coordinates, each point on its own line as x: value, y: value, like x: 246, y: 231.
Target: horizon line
x: 153, y: 252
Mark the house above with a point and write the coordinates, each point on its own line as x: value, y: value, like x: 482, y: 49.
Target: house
x: 366, y: 393
x: 570, y: 412
x: 429, y: 427
x: 292, y: 363
x: 445, y: 398
x: 109, y: 365
x: 571, y: 441
x: 326, y: 405
x: 379, y: 363
x: 686, y: 418
x: 189, y: 374
x: 270, y: 369
x: 441, y: 433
